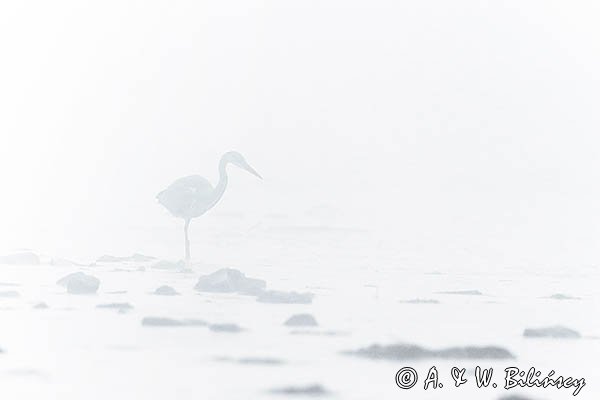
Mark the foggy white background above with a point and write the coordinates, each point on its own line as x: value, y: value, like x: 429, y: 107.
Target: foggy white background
x: 467, y: 127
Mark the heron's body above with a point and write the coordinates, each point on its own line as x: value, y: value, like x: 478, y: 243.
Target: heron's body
x: 188, y: 197
x: 192, y: 196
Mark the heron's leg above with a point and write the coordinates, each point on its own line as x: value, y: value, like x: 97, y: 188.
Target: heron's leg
x: 187, y: 240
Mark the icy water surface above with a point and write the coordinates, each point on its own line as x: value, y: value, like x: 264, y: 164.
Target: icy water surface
x: 231, y: 346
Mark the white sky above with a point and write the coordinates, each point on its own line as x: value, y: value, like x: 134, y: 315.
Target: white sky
x: 471, y: 116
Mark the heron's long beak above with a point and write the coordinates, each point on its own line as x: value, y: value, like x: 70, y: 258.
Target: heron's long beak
x: 252, y: 171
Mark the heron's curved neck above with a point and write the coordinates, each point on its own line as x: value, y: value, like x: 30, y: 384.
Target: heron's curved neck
x: 222, y: 185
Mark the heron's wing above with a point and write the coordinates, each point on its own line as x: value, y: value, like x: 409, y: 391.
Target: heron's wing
x: 184, y: 197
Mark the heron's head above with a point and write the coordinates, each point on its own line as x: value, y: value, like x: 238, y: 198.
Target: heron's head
x: 238, y: 160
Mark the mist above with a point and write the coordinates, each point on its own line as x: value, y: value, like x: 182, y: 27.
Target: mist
x: 434, y: 135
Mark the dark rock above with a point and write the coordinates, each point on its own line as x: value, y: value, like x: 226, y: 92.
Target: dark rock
x: 275, y: 296
x: 307, y: 332
x: 80, y: 283
x: 117, y: 306
x: 414, y: 352
x: 309, y: 390
x: 163, y: 321
x: 554, y: 332
x: 166, y: 291
x: 109, y: 259
x: 23, y: 258
x: 229, y: 328
x: 261, y: 361
x: 228, y: 280
x: 464, y: 292
x: 301, y: 320
x: 133, y: 258
x: 420, y: 301
x: 141, y: 258
x: 252, y: 360
x: 560, y: 296
x: 41, y: 306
